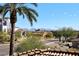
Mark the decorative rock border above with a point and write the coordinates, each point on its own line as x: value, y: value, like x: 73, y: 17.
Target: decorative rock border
x: 47, y: 52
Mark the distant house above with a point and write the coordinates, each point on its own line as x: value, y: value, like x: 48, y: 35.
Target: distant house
x: 22, y: 31
x: 5, y: 24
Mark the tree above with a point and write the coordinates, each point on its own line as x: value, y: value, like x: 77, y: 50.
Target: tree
x: 58, y: 34
x: 65, y: 32
x: 21, y: 9
x: 68, y: 33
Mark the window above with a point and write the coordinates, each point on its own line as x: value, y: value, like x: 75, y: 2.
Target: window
x: 4, y: 23
x: 0, y: 22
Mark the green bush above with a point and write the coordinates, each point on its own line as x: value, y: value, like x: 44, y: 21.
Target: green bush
x: 4, y: 37
x: 17, y: 35
x: 29, y: 44
x: 29, y: 34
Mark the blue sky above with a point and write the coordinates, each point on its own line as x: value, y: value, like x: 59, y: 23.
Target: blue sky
x: 53, y: 16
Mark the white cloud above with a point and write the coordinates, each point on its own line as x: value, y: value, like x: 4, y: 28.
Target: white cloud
x: 70, y: 15
x: 74, y: 14
x: 65, y: 13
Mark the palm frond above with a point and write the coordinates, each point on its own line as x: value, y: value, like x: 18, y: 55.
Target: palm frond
x: 27, y: 14
x: 21, y: 9
x: 33, y: 16
x: 30, y: 19
x: 30, y: 13
x: 33, y: 11
x: 7, y: 5
x: 34, y: 4
x: 20, y: 12
x: 3, y: 11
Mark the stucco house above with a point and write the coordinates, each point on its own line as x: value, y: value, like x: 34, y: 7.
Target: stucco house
x: 4, y: 24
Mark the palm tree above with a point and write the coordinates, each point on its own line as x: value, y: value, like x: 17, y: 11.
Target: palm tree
x: 21, y: 9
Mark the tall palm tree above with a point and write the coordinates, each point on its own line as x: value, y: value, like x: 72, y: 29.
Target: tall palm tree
x: 21, y: 9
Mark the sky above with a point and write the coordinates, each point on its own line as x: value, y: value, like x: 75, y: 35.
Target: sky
x: 53, y: 16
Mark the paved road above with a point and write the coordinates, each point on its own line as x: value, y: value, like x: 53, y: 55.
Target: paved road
x: 4, y: 49
x: 50, y: 41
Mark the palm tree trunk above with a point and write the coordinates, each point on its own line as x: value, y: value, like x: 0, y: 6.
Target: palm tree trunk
x: 12, y: 39
x: 12, y: 21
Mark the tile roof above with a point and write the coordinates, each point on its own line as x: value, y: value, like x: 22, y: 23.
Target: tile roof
x: 48, y: 52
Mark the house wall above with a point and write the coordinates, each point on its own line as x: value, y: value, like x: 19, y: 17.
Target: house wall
x: 4, y: 29
x: 5, y: 24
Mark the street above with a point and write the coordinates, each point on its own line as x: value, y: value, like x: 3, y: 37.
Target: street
x: 4, y: 49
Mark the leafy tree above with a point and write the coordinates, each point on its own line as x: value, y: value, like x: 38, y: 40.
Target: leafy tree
x: 58, y: 34
x: 21, y: 9
x: 66, y: 32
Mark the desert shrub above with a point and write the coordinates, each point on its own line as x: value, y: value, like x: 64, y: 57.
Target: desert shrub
x: 4, y: 37
x: 29, y: 44
x: 49, y: 35
x: 17, y: 35
x: 37, y: 35
x: 29, y: 34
